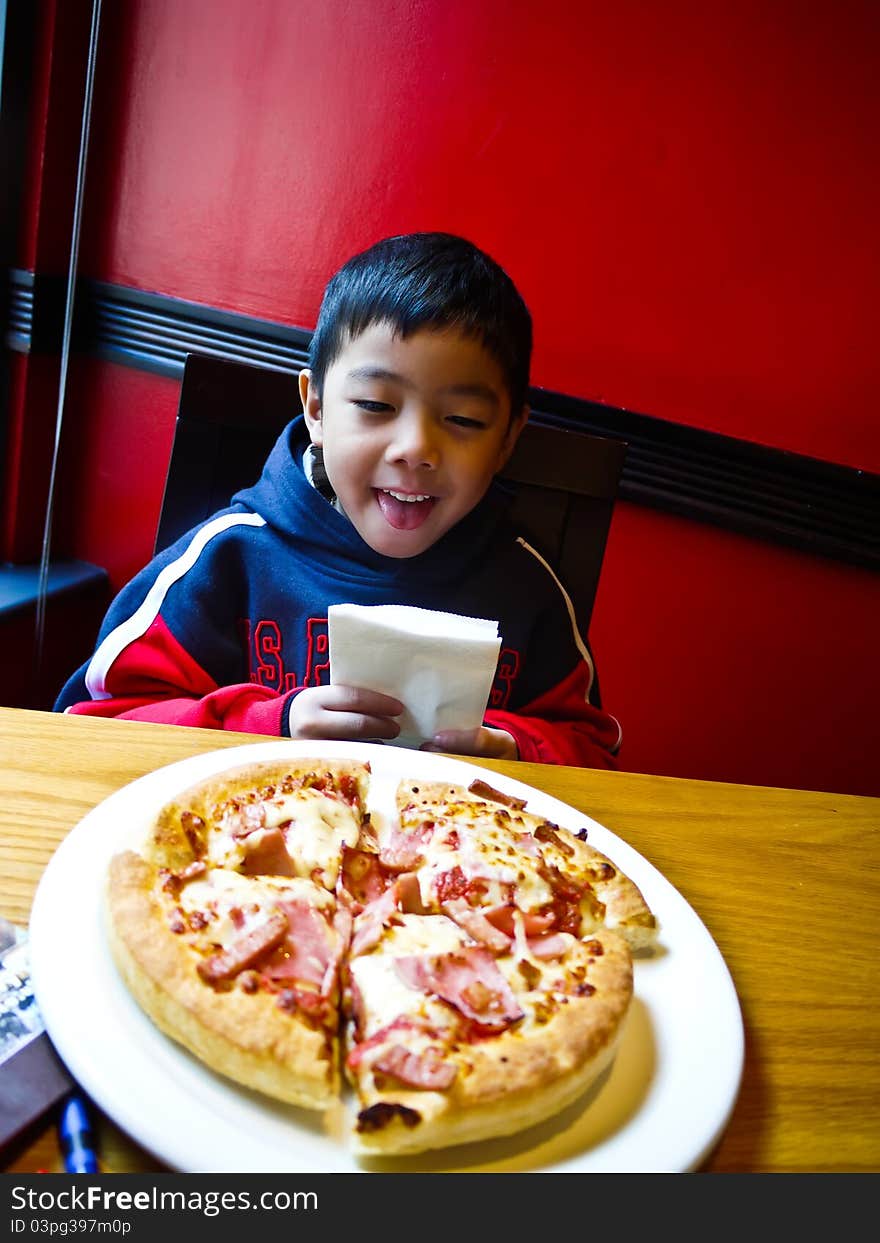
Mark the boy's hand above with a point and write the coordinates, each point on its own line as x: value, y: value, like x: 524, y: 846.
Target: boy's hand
x: 494, y: 744
x: 343, y: 712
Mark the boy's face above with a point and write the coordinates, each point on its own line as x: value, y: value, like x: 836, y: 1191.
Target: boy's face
x: 412, y: 431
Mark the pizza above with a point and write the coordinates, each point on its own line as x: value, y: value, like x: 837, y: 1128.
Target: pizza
x: 462, y: 964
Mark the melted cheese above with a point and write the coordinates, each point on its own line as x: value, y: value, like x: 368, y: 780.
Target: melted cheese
x: 319, y: 828
x: 384, y: 995
x: 315, y: 827
x: 221, y: 892
x: 489, y: 852
x: 538, y: 998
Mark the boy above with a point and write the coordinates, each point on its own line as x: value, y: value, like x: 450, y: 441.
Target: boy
x: 380, y: 492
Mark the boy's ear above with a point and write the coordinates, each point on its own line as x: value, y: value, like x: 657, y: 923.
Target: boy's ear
x: 512, y: 436
x: 311, y: 404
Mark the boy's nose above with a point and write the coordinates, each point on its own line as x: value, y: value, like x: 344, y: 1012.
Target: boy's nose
x: 413, y: 442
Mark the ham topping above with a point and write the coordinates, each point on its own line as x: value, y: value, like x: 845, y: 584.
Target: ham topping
x: 306, y: 949
x: 418, y: 1070
x: 265, y: 854
x: 403, y: 1023
x: 241, y: 819
x: 244, y: 950
x: 373, y: 919
x: 342, y: 924
x: 404, y: 850
x: 409, y: 894
x: 306, y: 1002
x: 527, y: 843
x: 362, y: 876
x: 534, y: 922
x: 467, y: 979
x: 552, y: 946
x: 476, y: 925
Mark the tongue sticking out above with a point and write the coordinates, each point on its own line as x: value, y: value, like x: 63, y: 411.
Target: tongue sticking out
x: 403, y: 515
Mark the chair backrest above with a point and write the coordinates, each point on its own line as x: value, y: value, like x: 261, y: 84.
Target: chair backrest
x: 230, y: 414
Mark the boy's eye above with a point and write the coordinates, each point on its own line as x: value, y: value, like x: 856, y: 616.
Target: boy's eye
x: 461, y: 420
x: 372, y: 407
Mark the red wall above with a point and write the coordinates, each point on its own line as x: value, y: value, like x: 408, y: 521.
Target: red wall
x: 686, y: 195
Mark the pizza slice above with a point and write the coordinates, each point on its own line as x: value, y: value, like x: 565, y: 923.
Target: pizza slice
x: 291, y: 819
x: 449, y: 1042
x: 501, y: 871
x: 226, y: 927
x: 242, y: 971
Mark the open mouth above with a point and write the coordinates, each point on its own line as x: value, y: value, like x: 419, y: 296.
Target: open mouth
x: 404, y: 510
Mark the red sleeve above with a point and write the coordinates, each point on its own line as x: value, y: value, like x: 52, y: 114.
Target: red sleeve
x: 155, y: 679
x: 562, y: 727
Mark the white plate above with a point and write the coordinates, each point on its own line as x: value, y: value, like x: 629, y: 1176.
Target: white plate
x: 661, y: 1107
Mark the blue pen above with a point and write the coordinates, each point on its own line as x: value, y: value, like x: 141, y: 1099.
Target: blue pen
x: 77, y: 1141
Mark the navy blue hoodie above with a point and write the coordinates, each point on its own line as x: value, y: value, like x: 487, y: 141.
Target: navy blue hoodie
x: 223, y: 628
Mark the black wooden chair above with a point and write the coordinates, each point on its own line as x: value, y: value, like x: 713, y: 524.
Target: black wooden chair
x: 230, y: 414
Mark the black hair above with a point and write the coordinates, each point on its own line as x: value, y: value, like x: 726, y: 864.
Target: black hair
x: 427, y: 280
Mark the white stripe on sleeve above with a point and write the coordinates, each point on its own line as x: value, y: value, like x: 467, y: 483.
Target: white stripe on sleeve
x: 141, y: 620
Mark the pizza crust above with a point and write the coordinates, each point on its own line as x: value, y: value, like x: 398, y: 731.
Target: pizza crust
x: 243, y: 1036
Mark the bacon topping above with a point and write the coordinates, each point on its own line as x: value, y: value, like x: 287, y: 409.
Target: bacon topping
x: 467, y: 979
x: 244, y: 950
x: 482, y: 789
x: 548, y: 833
x: 194, y: 830
x: 418, y: 1070
x: 567, y: 914
x: 173, y: 882
x: 563, y: 886
x: 176, y: 921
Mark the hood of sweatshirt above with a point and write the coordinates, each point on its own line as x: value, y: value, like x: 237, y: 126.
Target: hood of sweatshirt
x: 298, y: 512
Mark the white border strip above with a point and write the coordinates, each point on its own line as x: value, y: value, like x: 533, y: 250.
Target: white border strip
x: 141, y: 620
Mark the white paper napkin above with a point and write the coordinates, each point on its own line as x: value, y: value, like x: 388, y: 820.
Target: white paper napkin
x: 439, y: 665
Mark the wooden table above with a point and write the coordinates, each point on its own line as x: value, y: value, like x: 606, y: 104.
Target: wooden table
x: 786, y: 881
